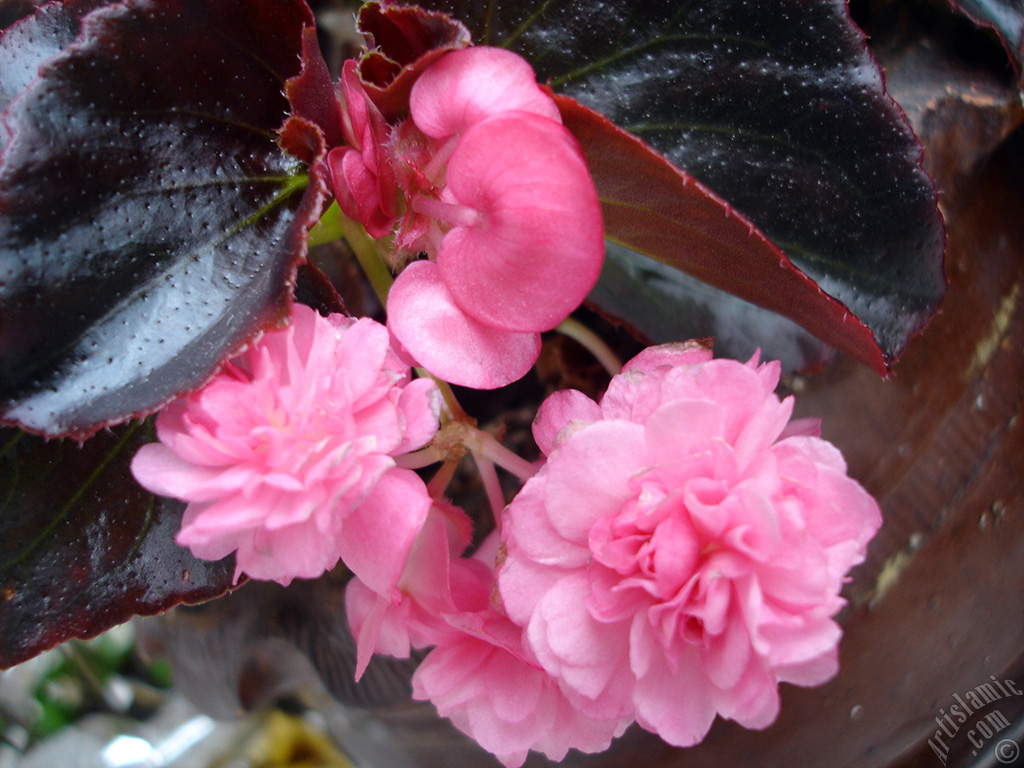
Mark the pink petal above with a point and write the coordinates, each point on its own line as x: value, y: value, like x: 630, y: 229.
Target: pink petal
x: 227, y: 515
x: 679, y: 353
x: 762, y: 428
x: 528, y: 530
x: 362, y: 178
x: 754, y: 701
x: 361, y: 352
x: 619, y: 400
x: 505, y: 703
x: 296, y: 551
x: 368, y: 621
x: 732, y: 384
x: 808, y: 638
x: 588, y: 656
x: 556, y: 413
x: 842, y: 509
x: 354, y: 113
x: 681, y: 428
x: 802, y: 428
x: 380, y: 532
x: 357, y: 190
x: 811, y: 672
x: 437, y: 333
x: 157, y: 469
x: 676, y: 704
x: 420, y: 405
x: 468, y: 85
x: 588, y: 476
x: 538, y: 244
x: 210, y: 547
x: 728, y: 653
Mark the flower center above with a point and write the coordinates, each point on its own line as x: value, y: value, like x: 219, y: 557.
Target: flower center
x: 455, y: 214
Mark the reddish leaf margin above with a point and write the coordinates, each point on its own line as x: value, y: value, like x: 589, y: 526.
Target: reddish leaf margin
x: 657, y: 209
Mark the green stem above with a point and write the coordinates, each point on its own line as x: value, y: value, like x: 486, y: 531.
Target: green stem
x: 370, y: 259
x: 328, y: 228
x: 593, y: 343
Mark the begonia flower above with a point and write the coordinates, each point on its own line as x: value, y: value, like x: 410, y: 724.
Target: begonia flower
x: 524, y: 244
x: 477, y: 674
x: 363, y: 180
x: 483, y: 681
x: 680, y: 553
x: 286, y: 457
x: 485, y: 181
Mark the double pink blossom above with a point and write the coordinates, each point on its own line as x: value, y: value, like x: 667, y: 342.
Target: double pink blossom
x: 478, y: 673
x: 682, y: 550
x: 286, y: 457
x: 496, y: 193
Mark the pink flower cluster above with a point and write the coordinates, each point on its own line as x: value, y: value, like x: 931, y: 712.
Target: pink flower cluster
x: 484, y: 180
x: 680, y: 553
x: 479, y: 674
x: 286, y: 457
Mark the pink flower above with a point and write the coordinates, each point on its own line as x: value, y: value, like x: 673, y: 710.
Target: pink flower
x: 361, y: 174
x: 483, y: 681
x: 496, y: 193
x: 478, y: 674
x: 514, y: 224
x: 679, y: 554
x: 523, y: 247
x: 286, y: 456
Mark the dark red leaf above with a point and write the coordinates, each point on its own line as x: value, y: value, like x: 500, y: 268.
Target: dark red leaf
x: 39, y: 36
x: 311, y: 96
x: 150, y: 223
x: 403, y: 41
x: 664, y: 305
x: 82, y: 546
x: 653, y: 207
x: 15, y: 10
x: 777, y: 107
x: 1006, y: 17
x: 314, y: 289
